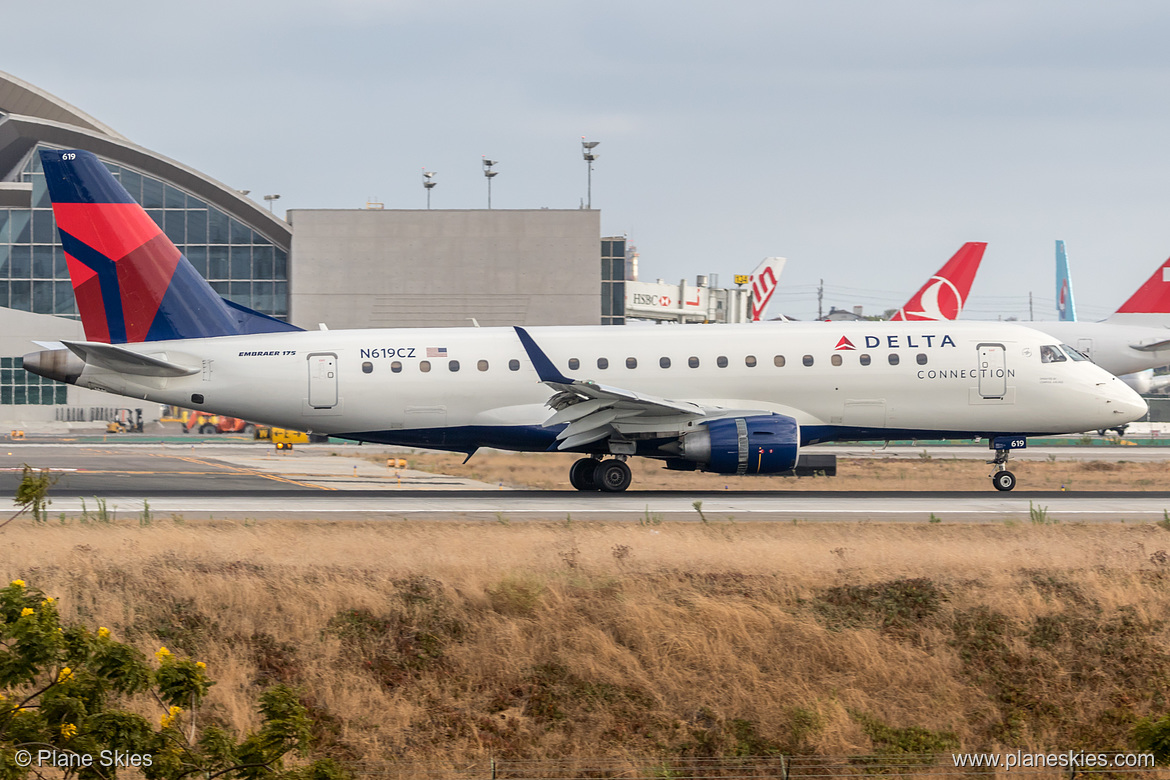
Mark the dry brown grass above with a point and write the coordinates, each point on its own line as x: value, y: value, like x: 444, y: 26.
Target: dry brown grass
x: 457, y: 641
x: 550, y: 471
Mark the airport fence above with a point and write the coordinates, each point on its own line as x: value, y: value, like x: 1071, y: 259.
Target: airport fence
x: 920, y: 766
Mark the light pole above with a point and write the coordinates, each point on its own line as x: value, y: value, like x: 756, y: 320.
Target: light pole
x: 489, y: 174
x: 429, y: 184
x: 271, y: 201
x: 589, y: 155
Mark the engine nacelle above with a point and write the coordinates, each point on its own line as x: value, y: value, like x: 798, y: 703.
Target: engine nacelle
x: 763, y: 444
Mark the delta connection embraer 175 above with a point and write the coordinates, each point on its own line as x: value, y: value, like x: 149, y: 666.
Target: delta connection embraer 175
x: 731, y: 399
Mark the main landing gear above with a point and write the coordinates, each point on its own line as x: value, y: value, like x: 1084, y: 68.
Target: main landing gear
x: 609, y: 476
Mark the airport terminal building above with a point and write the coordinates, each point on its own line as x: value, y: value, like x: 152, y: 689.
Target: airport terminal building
x: 356, y: 268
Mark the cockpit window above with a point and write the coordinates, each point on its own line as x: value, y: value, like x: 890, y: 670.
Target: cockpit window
x: 1074, y: 354
x: 1051, y: 354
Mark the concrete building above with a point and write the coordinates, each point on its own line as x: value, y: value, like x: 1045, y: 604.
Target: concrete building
x: 346, y: 268
x: 443, y: 268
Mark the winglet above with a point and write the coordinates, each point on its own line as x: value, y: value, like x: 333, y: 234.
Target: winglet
x: 540, y: 361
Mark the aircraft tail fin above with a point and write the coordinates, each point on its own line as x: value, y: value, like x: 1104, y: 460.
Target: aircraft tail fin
x: 943, y: 296
x: 131, y: 283
x: 1065, y: 307
x: 1150, y: 305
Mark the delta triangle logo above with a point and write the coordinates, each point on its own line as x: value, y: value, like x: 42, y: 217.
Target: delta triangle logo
x: 844, y: 344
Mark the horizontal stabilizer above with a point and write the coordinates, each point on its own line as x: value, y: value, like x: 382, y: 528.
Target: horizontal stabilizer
x: 125, y: 361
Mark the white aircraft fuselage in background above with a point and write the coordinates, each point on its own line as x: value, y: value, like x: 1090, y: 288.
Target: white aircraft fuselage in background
x: 1118, y: 347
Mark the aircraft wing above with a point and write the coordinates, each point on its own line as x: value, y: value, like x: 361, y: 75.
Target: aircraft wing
x: 1157, y: 346
x: 593, y: 411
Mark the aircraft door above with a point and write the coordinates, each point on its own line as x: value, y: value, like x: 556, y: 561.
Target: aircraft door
x: 322, y: 380
x: 992, y: 371
x: 1085, y: 347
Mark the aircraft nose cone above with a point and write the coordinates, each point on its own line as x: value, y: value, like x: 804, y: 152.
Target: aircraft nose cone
x: 1125, y: 404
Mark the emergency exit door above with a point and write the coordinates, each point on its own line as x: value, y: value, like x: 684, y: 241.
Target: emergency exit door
x: 322, y: 380
x: 992, y: 371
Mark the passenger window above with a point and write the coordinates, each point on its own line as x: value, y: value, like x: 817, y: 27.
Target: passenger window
x: 367, y: 367
x: 1073, y: 353
x: 1050, y: 354
x: 574, y: 364
x: 424, y: 366
x: 664, y: 362
x: 894, y: 359
x: 482, y: 365
x: 396, y: 367
x: 603, y: 363
x: 835, y: 360
x: 721, y: 361
x: 750, y: 361
x: 779, y: 361
x: 863, y: 359
x: 693, y: 362
x: 921, y: 358
x: 453, y: 365
x: 807, y: 360
x: 513, y: 365
x: 631, y: 362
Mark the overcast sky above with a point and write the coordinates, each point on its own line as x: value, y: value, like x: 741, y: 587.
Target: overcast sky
x: 865, y: 141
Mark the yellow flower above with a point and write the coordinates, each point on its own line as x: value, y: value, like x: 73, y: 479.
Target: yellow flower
x: 47, y: 601
x: 200, y: 665
x: 26, y: 611
x: 166, y: 720
x: 17, y: 583
x: 65, y: 674
x: 103, y: 633
x: 68, y: 730
x: 162, y: 654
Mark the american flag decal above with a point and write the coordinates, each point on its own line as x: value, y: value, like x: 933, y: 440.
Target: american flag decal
x: 436, y: 352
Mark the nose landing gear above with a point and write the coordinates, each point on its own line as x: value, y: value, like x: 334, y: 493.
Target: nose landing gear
x: 1001, y: 478
x: 608, y: 476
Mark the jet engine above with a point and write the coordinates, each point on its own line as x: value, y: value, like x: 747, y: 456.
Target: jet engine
x: 762, y: 444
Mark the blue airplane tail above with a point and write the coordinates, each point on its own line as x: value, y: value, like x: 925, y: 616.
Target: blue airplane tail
x: 1065, y: 308
x: 131, y: 283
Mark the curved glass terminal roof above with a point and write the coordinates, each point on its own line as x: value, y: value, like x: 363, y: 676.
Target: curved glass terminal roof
x: 241, y: 248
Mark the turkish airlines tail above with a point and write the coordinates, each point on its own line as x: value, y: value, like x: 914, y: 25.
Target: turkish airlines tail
x: 942, y: 297
x: 1065, y: 308
x: 1150, y: 305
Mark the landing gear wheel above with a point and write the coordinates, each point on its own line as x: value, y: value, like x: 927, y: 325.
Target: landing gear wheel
x: 581, y: 474
x: 1003, y: 480
x: 612, y: 476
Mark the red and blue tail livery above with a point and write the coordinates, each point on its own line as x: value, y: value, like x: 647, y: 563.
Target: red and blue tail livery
x: 131, y: 283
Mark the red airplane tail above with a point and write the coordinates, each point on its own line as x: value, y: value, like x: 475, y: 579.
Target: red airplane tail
x: 1152, y: 299
x: 942, y: 297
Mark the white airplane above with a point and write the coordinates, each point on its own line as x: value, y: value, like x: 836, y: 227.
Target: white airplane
x: 732, y: 399
x: 1119, y: 342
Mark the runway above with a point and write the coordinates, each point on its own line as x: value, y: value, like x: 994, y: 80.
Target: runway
x: 252, y: 481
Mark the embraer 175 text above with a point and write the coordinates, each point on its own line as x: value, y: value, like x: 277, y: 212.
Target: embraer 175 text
x: 731, y: 399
